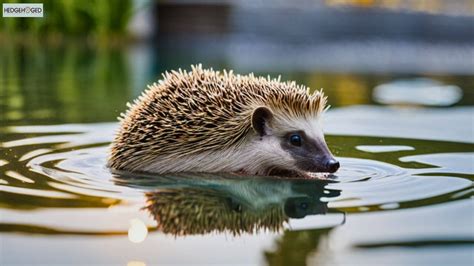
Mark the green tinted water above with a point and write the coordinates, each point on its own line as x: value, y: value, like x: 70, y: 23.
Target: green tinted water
x: 403, y: 194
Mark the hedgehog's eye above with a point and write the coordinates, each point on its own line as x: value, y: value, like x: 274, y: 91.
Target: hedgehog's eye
x: 295, y: 139
x: 304, y: 205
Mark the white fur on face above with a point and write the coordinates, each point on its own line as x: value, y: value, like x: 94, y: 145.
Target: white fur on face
x: 268, y: 153
x: 256, y: 157
x: 311, y: 126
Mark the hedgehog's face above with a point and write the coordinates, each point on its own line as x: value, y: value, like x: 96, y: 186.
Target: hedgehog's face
x: 299, y: 144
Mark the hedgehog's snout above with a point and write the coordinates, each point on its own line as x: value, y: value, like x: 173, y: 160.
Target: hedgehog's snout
x: 332, y: 165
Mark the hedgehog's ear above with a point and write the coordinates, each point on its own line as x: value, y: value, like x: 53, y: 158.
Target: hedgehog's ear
x: 261, y: 118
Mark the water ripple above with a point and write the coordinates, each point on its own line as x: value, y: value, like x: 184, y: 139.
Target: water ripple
x: 72, y: 162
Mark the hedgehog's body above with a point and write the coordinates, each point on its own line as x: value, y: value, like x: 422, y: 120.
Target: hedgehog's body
x: 205, y: 121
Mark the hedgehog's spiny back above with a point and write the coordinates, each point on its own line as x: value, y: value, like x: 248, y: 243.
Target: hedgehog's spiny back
x: 201, y: 110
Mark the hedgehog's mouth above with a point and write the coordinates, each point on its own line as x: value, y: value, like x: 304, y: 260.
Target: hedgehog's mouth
x: 284, y: 173
x: 298, y: 174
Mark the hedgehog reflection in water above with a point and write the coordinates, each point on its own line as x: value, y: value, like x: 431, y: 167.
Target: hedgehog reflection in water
x: 236, y: 206
x: 207, y: 121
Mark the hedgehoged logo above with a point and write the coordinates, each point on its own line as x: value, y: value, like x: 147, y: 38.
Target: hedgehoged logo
x: 22, y: 10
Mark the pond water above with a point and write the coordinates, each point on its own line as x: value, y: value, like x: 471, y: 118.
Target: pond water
x: 403, y: 195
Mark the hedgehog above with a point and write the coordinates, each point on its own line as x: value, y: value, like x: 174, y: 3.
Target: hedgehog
x: 219, y: 122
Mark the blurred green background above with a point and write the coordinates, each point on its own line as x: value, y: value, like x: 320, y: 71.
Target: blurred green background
x: 99, y: 19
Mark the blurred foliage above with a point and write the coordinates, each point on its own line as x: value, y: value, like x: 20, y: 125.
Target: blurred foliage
x: 62, y: 84
x: 99, y: 18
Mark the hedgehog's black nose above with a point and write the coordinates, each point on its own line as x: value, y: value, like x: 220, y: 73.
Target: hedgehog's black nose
x: 332, y: 165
